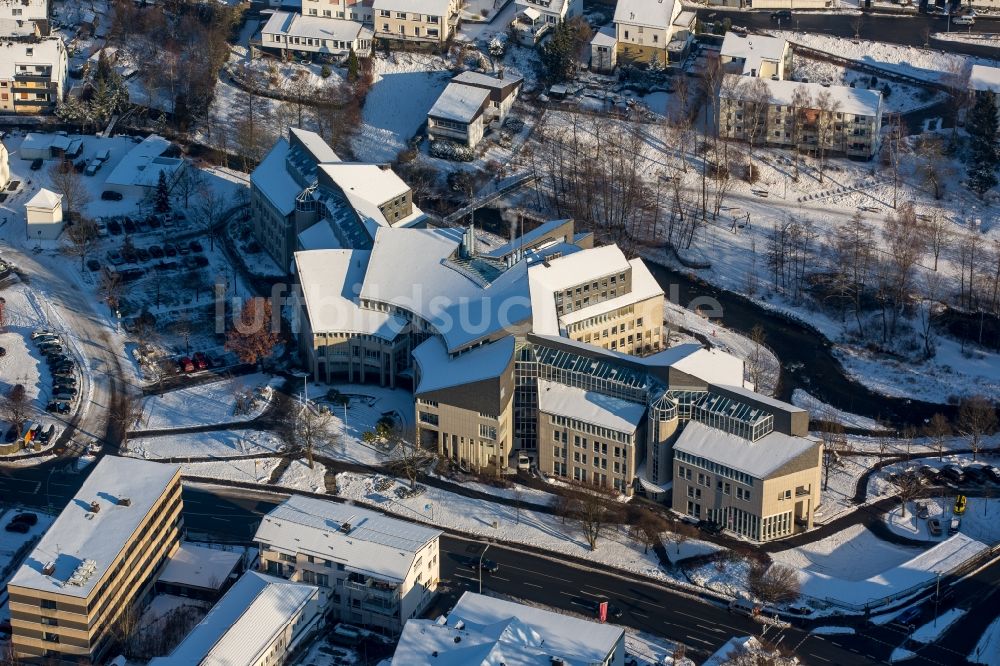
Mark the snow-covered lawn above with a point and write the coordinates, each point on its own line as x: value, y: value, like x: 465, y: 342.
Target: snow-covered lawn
x: 934, y: 629
x: 515, y: 492
x: 683, y: 549
x: 902, y: 97
x: 217, y: 444
x: 10, y: 542
x: 822, y: 411
x: 988, y: 648
x: 301, y: 477
x: 852, y: 554
x: 476, y: 516
x: 256, y: 470
x: 727, y: 577
x: 23, y: 363
x: 205, y: 404
x: 405, y: 88
x: 366, y: 405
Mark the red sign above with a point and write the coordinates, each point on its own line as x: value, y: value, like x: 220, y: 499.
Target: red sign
x: 602, y: 612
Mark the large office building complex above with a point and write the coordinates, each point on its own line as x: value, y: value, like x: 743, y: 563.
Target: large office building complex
x: 100, y: 557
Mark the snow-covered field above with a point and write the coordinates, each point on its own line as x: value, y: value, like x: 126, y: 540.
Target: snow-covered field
x: 301, y: 477
x: 476, y: 516
x: 988, y: 648
x: 205, y: 404
x: 256, y: 470
x: 724, y: 577
x: 216, y: 444
x: 838, y: 496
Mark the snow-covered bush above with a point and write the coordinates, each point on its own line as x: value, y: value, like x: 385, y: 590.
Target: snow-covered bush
x: 449, y: 150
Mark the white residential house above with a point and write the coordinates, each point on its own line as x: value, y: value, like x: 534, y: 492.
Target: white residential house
x: 138, y: 172
x: 289, y: 31
x: 4, y: 167
x: 24, y: 18
x: 428, y: 21
x: 486, y: 630
x: 604, y: 50
x: 470, y: 102
x: 371, y: 570
x: 33, y: 75
x: 755, y: 55
x: 45, y: 215
x: 645, y: 30
x: 553, y: 11
x: 350, y: 10
x: 529, y: 26
x: 260, y: 621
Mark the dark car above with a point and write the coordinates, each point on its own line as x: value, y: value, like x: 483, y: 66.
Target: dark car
x: 64, y: 392
x: 781, y: 15
x: 908, y: 618
x: 27, y: 518
x: 143, y: 254
x: 114, y: 228
x: 200, y: 261
x: 44, y: 437
x: 36, y: 164
x: 183, y: 250
x: 196, y: 246
x: 93, y: 265
x: 975, y: 474
x: 156, y: 251
x: 993, y: 473
x: 953, y: 473
x: 710, y: 527
x: 129, y: 225
x: 108, y: 195
x: 170, y: 250
x: 200, y: 360
x: 929, y: 473
x: 131, y: 274
x: 22, y: 528
x: 164, y: 266
x: 154, y: 222
x: 80, y: 165
x: 64, y: 381
x: 594, y: 606
x: 58, y: 407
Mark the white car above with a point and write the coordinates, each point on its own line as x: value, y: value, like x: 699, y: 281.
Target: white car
x: 965, y: 19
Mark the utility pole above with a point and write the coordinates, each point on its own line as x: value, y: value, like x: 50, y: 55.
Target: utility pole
x: 937, y: 598
x: 481, y: 555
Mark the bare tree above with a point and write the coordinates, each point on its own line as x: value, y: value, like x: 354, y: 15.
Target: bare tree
x: 933, y: 165
x: 312, y: 429
x: 209, y: 211
x: 407, y: 458
x: 82, y: 238
x: 125, y: 415
x: 594, y: 511
x: 893, y: 148
x: 67, y: 182
x: 758, y: 354
x: 937, y: 234
x: 754, y: 98
x: 802, y: 118
x: 977, y: 417
x: 834, y: 446
x: 188, y: 184
x: 15, y: 407
x: 773, y: 584
x: 125, y: 628
x: 182, y: 329
x: 907, y: 488
x: 826, y: 126
x: 111, y: 289
x: 906, y: 247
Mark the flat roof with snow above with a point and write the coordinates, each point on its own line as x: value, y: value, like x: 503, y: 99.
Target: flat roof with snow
x: 644, y: 287
x: 362, y: 540
x: 192, y: 565
x: 439, y: 371
x: 143, y: 165
x: 243, y: 624
x: 294, y: 24
x: 590, y: 407
x: 372, y: 182
x: 79, y: 535
x: 753, y: 49
x: 759, y: 459
x: 482, y: 80
x: 460, y: 103
x: 48, y: 51
x: 984, y: 77
x: 856, y: 101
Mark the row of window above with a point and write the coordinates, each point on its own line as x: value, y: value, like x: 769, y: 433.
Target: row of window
x: 427, y: 18
x: 401, y: 30
x: 311, y: 41
x: 714, y: 467
x: 590, y: 429
x: 704, y: 480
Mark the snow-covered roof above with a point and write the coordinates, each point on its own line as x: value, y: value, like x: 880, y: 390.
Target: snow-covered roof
x: 49, y: 51
x: 644, y: 286
x: 761, y: 398
x: 484, y: 630
x: 732, y: 648
x: 503, y: 305
x: 685, y: 19
x: 589, y: 406
x: 319, y: 236
x: 244, y: 623
x: 273, y: 180
x: 375, y: 545
x: 79, y: 535
x: 984, y: 77
x: 651, y: 13
x: 605, y: 37
x: 758, y: 459
x: 314, y: 143
x: 531, y: 13
x: 491, y: 81
x: 553, y: 8
x: 143, y: 164
x: 372, y: 182
x: 855, y: 101
x: 294, y: 24
x: 459, y: 103
x: 527, y: 240
x: 31, y: 10
x: 547, y: 278
x: 197, y: 566
x: 430, y: 7
x: 409, y: 269
x: 439, y: 371
x: 753, y: 49
x: 331, y: 280
x: 44, y: 198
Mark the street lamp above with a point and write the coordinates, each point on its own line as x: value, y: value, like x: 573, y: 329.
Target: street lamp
x: 481, y: 555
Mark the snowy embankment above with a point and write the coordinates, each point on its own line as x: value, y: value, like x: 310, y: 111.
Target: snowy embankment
x: 256, y: 470
x: 988, y: 648
x: 936, y: 628
x: 301, y: 477
x: 821, y: 411
x: 504, y: 523
x: 219, y: 444
x: 207, y: 404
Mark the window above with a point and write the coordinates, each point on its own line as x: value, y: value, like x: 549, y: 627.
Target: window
x: 50, y: 621
x: 384, y: 12
x: 51, y: 638
x: 49, y: 604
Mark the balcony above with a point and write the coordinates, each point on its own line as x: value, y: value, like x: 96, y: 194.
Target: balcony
x: 358, y: 586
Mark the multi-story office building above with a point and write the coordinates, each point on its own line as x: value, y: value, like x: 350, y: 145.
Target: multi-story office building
x: 33, y: 74
x: 100, y: 557
x: 370, y: 570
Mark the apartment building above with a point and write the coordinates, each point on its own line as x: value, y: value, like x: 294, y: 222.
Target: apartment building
x: 350, y: 10
x: 552, y: 12
x: 304, y: 34
x: 645, y: 30
x: 370, y: 570
x: 755, y: 55
x: 33, y: 74
x: 485, y: 630
x: 100, y: 556
x: 260, y: 621
x: 431, y: 22
x: 469, y: 104
x: 24, y: 18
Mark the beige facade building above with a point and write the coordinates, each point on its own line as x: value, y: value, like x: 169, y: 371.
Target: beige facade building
x: 755, y: 55
x: 644, y: 30
x: 430, y: 22
x: 100, y: 557
x: 33, y: 74
x: 370, y: 570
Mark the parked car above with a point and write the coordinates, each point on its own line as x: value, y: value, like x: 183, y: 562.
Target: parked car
x: 22, y: 528
x: 965, y: 19
x: 46, y: 435
x: 41, y: 333
x: 196, y: 246
x: 36, y: 164
x: 908, y: 618
x: 781, y: 15
x: 79, y: 166
x: 200, y: 360
x: 109, y: 195
x: 953, y: 473
x: 975, y: 473
x: 27, y: 518
x: 170, y: 250
x: 93, y: 166
x: 66, y: 396
x: 143, y: 254
x: 186, y: 365
x: 116, y: 258
x: 183, y: 250
x: 993, y: 473
x: 103, y: 156
x: 93, y: 265
x: 934, y: 526
x: 57, y: 407
x: 744, y: 607
x: 954, y: 525
x: 200, y: 261
x: 153, y: 222
x: 488, y: 566
x: 923, y: 511
x: 114, y: 228
x: 156, y: 251
x: 129, y: 225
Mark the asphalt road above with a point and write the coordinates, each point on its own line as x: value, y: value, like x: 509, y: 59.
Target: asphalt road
x: 907, y: 30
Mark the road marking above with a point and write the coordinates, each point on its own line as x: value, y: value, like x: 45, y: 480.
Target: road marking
x: 649, y: 603
x: 531, y: 584
x: 503, y: 579
x: 714, y: 630
x: 698, y: 640
x: 538, y: 573
x: 635, y: 612
x: 458, y: 575
x: 816, y: 656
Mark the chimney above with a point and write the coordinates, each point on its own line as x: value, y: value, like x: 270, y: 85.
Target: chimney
x: 49, y: 568
x: 500, y: 73
x: 124, y: 501
x: 95, y: 507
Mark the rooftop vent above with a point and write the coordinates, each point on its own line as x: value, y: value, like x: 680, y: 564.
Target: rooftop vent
x: 49, y: 568
x: 124, y: 501
x: 460, y: 625
x: 434, y: 654
x: 458, y: 639
x: 345, y: 528
x: 558, y: 661
x: 95, y: 507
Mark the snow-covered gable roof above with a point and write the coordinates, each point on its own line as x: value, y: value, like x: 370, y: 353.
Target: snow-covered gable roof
x: 984, y: 77
x: 856, y: 101
x: 44, y: 198
x: 143, y: 165
x: 753, y: 49
x: 651, y: 13
x: 590, y: 407
x: 712, y: 366
x: 758, y: 459
x: 527, y: 240
x: 314, y: 143
x: 429, y: 7
x: 460, y: 103
x: 331, y: 280
x: 273, y: 180
x: 439, y: 371
x: 375, y: 545
x: 313, y: 27
x: 319, y: 236
x: 372, y: 182
x: 197, y: 566
x: 243, y: 624
x: 490, y: 81
x: 74, y: 537
x: 605, y: 37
